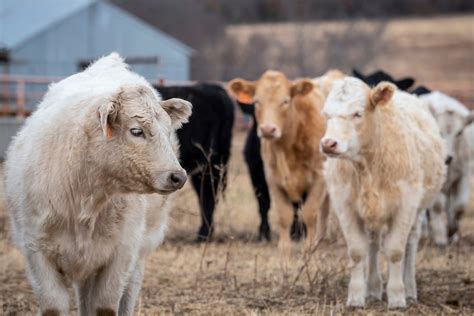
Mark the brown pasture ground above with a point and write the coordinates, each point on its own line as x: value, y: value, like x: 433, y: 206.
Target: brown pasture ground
x: 236, y: 275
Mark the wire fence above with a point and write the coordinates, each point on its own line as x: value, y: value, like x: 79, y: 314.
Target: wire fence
x: 19, y: 95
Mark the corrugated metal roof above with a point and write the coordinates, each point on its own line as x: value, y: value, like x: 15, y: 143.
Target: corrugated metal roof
x: 22, y: 19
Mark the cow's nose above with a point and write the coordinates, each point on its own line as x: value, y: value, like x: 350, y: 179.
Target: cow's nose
x: 268, y: 130
x: 329, y: 145
x: 176, y: 179
x: 448, y: 160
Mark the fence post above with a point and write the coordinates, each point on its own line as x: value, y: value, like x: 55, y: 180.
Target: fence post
x: 5, y: 109
x: 20, y: 98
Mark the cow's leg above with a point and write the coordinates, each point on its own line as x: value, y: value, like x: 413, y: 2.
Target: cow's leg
x: 394, y: 246
x: 322, y: 221
x: 254, y: 163
x: 410, y: 259
x: 438, y: 223
x: 83, y: 294
x: 257, y: 176
x: 309, y: 215
x: 374, y: 280
x: 110, y: 284
x: 458, y: 199
x: 298, y: 228
x: 315, y: 210
x: 263, y: 197
x: 425, y: 229
x: 357, y: 244
x: 48, y: 285
x: 130, y: 295
x: 207, y: 199
x: 285, y: 213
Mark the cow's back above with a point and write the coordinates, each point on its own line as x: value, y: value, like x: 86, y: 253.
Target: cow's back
x: 427, y: 150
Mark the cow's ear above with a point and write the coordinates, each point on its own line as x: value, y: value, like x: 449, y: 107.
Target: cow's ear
x: 356, y: 73
x: 382, y: 93
x: 301, y: 87
x: 469, y: 119
x: 420, y: 90
x: 107, y: 114
x: 242, y: 90
x: 179, y: 111
x: 405, y: 83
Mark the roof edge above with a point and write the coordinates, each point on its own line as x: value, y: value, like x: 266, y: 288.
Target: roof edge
x: 188, y: 50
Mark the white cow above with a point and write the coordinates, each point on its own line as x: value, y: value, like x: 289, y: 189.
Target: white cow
x: 81, y: 180
x: 386, y: 165
x: 453, y: 119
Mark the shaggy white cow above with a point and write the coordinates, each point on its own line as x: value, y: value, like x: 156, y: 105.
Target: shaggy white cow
x: 453, y: 119
x: 386, y: 165
x: 80, y: 178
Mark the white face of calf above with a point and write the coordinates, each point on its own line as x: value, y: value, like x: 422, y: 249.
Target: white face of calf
x: 347, y: 108
x: 138, y: 147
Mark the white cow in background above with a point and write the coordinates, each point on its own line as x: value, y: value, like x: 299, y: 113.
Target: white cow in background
x: 454, y: 120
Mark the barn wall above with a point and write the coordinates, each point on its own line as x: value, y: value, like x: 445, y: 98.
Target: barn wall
x: 95, y: 31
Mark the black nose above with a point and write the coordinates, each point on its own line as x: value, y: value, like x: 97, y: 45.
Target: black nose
x: 448, y: 160
x: 177, y: 179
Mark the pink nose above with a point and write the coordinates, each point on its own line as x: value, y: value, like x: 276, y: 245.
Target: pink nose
x: 268, y: 130
x: 329, y: 145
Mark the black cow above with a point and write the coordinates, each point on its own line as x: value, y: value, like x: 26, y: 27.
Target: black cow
x: 380, y: 75
x: 254, y: 163
x: 205, y: 143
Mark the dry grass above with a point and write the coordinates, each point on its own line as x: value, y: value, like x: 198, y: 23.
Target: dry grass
x: 237, y: 275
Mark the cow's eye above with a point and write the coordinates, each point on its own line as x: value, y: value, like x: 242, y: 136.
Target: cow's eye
x: 357, y: 114
x: 459, y: 133
x: 137, y: 132
x: 285, y: 102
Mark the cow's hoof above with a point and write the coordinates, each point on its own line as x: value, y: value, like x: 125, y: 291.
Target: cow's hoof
x: 440, y: 241
x: 375, y: 290
x: 356, y: 300
x: 412, y: 301
x: 354, y: 303
x: 204, y: 235
x: 452, y: 230
x: 397, y: 303
x: 200, y: 239
x: 264, y: 233
x: 373, y: 297
x: 298, y: 231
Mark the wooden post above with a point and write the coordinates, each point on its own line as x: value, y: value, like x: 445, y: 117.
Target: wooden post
x: 20, y: 98
x: 6, y: 91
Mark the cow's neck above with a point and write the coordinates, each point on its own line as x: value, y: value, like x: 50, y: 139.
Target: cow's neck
x: 384, y: 154
x: 294, y: 138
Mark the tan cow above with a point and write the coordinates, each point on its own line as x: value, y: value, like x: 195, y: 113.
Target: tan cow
x: 290, y: 125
